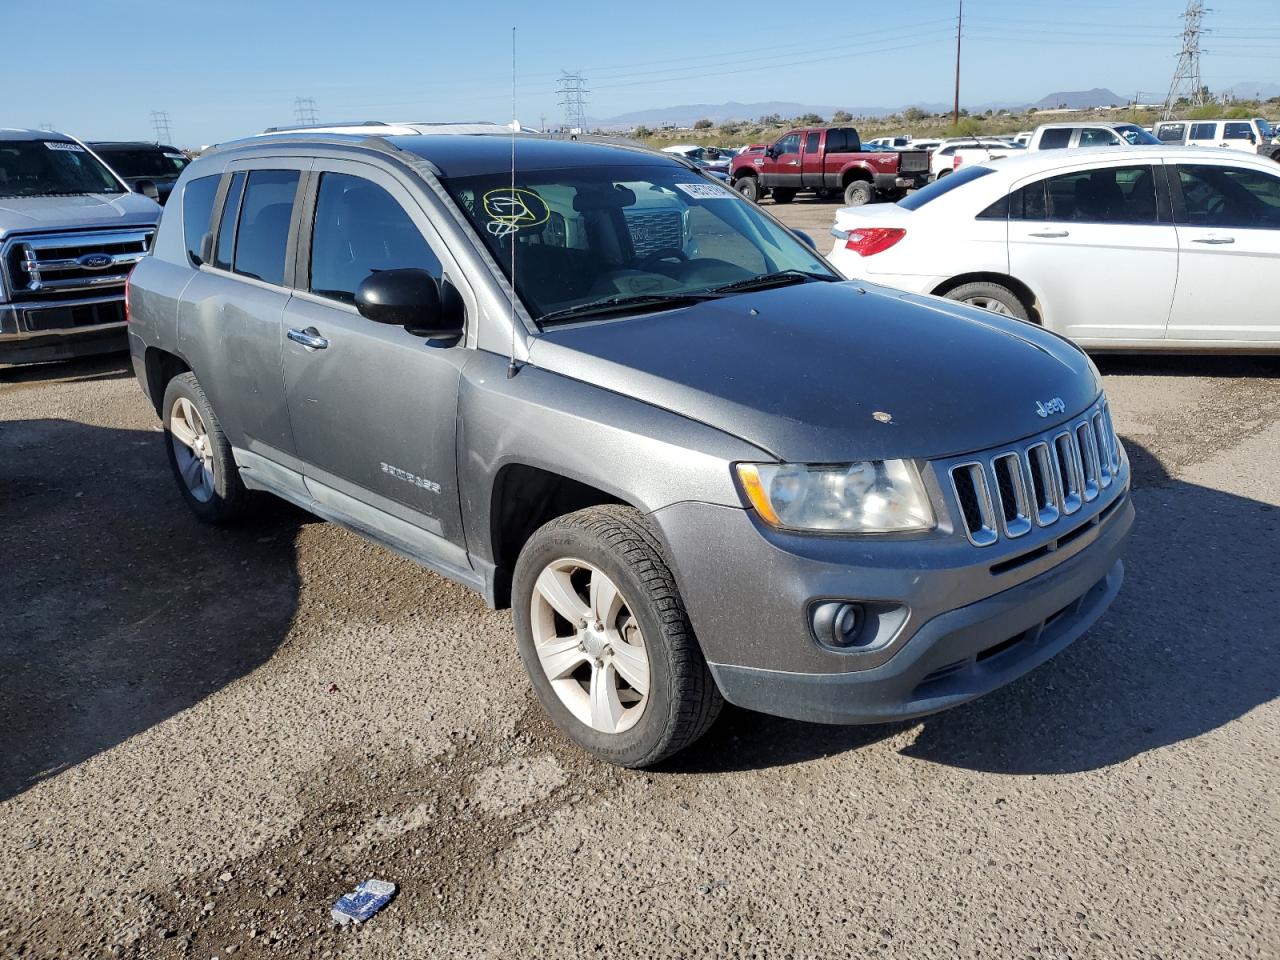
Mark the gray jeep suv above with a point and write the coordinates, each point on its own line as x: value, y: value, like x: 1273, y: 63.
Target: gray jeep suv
x: 708, y: 470
x: 70, y: 232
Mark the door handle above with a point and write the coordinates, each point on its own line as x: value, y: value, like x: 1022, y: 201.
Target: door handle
x: 309, y: 338
x: 1051, y: 233
x: 1214, y: 240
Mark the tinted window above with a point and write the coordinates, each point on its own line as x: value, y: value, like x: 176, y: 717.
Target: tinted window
x: 997, y: 211
x: 360, y: 228
x: 811, y: 142
x: 1238, y: 131
x: 933, y: 191
x: 836, y: 141
x: 144, y: 161
x: 1109, y: 195
x: 1171, y: 132
x: 227, y: 226
x: 1055, y: 139
x: 47, y: 168
x: 1204, y: 131
x: 264, y: 224
x: 1135, y: 135
x: 1215, y: 196
x: 788, y: 144
x: 1097, y: 137
x: 197, y: 212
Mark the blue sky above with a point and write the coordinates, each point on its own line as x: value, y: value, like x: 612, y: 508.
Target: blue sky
x: 233, y: 67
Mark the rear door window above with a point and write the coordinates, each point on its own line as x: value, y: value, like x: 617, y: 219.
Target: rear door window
x: 197, y: 212
x: 1204, y: 131
x: 359, y: 229
x: 1171, y: 132
x: 227, y: 225
x: 1097, y: 137
x: 1056, y: 139
x: 811, y: 142
x: 265, y: 214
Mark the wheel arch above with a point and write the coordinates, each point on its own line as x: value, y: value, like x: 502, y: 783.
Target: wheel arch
x: 1023, y: 292
x: 523, y: 498
x: 855, y: 172
x: 161, y: 366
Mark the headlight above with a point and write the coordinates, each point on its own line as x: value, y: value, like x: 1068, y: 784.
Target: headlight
x: 871, y: 496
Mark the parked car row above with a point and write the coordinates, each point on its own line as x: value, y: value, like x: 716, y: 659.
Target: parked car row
x: 1135, y: 248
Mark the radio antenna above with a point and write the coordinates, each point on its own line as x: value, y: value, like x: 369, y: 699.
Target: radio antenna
x: 512, y: 369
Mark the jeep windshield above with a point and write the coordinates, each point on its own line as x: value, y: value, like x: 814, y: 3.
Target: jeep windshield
x: 52, y: 168
x: 591, y: 241
x: 159, y: 163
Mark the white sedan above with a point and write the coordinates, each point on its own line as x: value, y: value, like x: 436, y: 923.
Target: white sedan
x: 1140, y: 248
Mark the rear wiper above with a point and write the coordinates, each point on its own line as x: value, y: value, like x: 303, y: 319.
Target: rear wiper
x: 622, y: 304
x: 778, y: 279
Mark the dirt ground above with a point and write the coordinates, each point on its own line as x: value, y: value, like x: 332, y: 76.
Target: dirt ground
x: 209, y: 735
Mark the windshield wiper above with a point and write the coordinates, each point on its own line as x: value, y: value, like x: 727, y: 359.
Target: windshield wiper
x: 779, y: 279
x: 622, y: 304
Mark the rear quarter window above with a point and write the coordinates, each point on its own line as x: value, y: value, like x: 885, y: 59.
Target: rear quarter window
x: 197, y: 213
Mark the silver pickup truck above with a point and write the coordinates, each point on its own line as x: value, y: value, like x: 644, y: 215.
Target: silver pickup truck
x: 70, y: 232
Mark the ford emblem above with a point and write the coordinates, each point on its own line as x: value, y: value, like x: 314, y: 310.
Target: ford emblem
x: 95, y: 261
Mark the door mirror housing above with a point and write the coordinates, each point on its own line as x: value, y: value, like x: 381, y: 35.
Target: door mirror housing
x: 147, y: 188
x: 409, y: 298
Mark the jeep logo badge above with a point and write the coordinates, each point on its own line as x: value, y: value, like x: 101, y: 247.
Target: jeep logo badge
x: 95, y: 261
x: 1046, y: 407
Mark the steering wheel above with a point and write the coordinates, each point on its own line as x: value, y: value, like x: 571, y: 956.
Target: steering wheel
x: 665, y: 253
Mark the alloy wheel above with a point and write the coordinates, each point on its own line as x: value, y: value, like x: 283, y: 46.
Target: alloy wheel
x: 989, y: 303
x: 192, y: 448
x: 590, y: 645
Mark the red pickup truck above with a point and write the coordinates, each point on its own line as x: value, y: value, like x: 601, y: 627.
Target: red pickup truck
x: 826, y: 160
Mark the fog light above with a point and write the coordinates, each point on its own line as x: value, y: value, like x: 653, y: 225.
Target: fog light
x: 838, y: 624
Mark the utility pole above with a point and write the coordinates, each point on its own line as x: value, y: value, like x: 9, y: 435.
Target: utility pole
x: 955, y: 110
x: 1186, y: 83
x: 160, y: 123
x: 572, y: 90
x: 304, y: 110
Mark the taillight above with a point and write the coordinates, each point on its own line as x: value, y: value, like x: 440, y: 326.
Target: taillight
x: 956, y: 161
x: 866, y: 241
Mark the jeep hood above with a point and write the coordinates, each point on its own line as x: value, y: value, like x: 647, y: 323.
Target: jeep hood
x: 809, y: 372
x: 76, y: 212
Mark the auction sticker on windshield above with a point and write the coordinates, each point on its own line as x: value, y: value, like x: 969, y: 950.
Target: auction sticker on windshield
x: 704, y: 191
x: 63, y: 145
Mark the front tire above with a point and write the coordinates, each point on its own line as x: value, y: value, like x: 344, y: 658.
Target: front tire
x: 200, y: 454
x: 604, y: 637
x: 990, y: 296
x: 858, y: 193
x: 749, y: 187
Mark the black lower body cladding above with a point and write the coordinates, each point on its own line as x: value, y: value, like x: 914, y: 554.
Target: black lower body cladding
x: 971, y: 623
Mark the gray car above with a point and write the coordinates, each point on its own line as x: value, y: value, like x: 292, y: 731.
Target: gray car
x: 70, y: 232
x: 704, y: 471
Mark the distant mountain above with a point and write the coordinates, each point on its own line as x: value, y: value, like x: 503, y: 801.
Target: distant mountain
x: 1081, y: 99
x: 1254, y: 90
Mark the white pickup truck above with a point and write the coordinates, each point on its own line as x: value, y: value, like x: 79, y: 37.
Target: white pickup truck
x: 1089, y: 133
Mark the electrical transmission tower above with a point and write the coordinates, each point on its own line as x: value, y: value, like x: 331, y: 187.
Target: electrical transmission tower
x: 160, y: 123
x: 304, y: 110
x: 572, y: 90
x: 1186, y: 82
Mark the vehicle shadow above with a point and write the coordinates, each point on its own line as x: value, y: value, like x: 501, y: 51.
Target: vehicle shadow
x: 1187, y: 647
x: 107, y: 366
x: 119, y: 609
x: 1199, y: 365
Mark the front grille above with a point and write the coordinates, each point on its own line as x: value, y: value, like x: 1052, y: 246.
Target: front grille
x: 1007, y: 493
x: 913, y: 161
x: 651, y: 232
x: 71, y: 265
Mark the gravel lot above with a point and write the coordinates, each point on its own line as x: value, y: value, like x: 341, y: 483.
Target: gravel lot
x: 208, y: 736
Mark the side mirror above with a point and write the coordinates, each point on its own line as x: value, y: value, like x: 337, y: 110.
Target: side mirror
x: 408, y: 298
x: 148, y: 188
x: 805, y: 239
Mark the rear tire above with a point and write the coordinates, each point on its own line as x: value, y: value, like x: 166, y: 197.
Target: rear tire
x: 200, y: 454
x: 783, y: 194
x: 749, y: 187
x: 858, y: 193
x: 596, y: 607
x: 990, y: 296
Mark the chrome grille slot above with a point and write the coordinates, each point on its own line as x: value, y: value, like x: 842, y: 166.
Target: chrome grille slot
x: 1090, y: 468
x: 969, y: 481
x: 1044, y: 482
x: 1011, y: 485
x: 1070, y: 481
x: 1106, y: 471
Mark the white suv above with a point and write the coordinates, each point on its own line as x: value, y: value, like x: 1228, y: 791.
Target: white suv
x: 1253, y: 136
